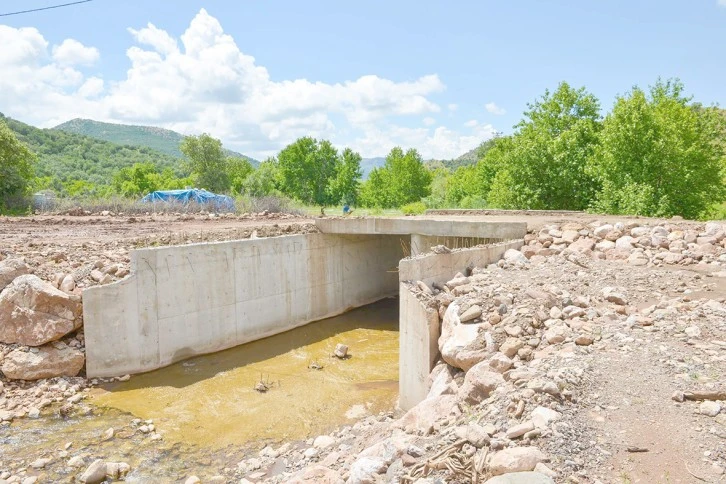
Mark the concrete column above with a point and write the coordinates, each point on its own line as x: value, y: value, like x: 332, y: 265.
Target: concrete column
x: 419, y: 330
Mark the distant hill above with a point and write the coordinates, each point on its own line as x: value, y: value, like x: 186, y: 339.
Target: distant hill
x: 367, y: 165
x: 159, y: 139
x: 69, y: 156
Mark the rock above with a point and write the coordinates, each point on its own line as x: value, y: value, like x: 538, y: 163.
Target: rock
x: 513, y: 256
x: 583, y: 244
x: 624, y: 242
x: 117, y: 470
x: 614, y: 297
x: 10, y: 269
x: 500, y: 363
x: 423, y: 416
x: 470, y: 314
x: 603, y: 230
x: 709, y: 408
x: 479, y: 382
x: 570, y: 236
x: 510, y: 347
x: 68, y: 284
x: 323, y: 442
x: 192, y: 480
x: 521, y: 478
x: 317, y: 474
x: 515, y: 459
x: 311, y: 452
x: 40, y: 463
x: 47, y: 362
x: 108, y: 434
x: 584, y: 340
x: 519, y: 429
x: 33, y: 312
x: 457, y: 342
x: 693, y: 331
x: 95, y: 473
x: 543, y: 416
x: 76, y: 461
x: 365, y: 470
x: 474, y: 433
x: 341, y: 351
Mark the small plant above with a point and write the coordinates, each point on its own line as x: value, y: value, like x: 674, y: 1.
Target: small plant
x: 415, y: 208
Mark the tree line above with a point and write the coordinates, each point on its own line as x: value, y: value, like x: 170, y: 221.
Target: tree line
x: 656, y: 153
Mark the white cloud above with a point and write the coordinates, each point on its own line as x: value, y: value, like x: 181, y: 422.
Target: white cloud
x: 722, y: 3
x: 203, y: 82
x: 71, y: 52
x: 496, y: 110
x: 471, y: 123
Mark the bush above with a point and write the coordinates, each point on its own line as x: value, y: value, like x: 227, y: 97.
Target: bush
x: 415, y: 208
x: 271, y: 203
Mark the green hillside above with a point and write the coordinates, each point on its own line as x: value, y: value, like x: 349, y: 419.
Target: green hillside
x: 159, y: 139
x: 68, y: 156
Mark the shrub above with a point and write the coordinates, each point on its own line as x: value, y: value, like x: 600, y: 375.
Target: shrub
x: 415, y: 208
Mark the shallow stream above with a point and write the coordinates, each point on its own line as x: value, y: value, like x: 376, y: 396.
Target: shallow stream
x: 207, y: 410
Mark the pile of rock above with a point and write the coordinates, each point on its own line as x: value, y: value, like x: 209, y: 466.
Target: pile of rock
x: 38, y: 323
x: 639, y: 245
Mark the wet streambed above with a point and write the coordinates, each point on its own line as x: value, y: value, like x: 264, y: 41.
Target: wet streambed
x: 206, y: 406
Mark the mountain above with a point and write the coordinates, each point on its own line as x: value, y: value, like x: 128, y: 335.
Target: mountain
x: 68, y: 156
x: 367, y: 165
x: 159, y: 139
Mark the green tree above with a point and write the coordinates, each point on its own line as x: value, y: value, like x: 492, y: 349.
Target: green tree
x: 262, y: 181
x: 401, y: 180
x: 142, y: 178
x: 207, y: 162
x: 313, y: 172
x: 16, y: 165
x: 238, y: 169
x: 344, y: 187
x: 660, y: 155
x: 543, y: 165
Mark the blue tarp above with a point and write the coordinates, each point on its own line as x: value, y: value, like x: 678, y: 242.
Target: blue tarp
x: 219, y: 203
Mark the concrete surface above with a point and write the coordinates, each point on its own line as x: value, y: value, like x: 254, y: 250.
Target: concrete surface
x: 420, y: 326
x: 440, y: 268
x: 188, y: 300
x: 421, y: 226
x: 195, y: 299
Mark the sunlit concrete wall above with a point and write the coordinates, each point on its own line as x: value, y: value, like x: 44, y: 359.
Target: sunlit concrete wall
x: 195, y: 299
x: 419, y: 325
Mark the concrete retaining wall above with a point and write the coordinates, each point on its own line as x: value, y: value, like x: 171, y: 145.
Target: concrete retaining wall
x: 196, y: 299
x: 420, y: 326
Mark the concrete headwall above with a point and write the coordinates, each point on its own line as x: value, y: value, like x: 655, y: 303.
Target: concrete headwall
x: 419, y: 326
x: 195, y: 299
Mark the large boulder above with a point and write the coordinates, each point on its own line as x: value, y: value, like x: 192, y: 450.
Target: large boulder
x: 366, y: 470
x: 480, y: 381
x: 423, y: 416
x: 44, y: 362
x: 10, y: 269
x: 317, y: 474
x: 461, y: 344
x: 33, y: 312
x: 515, y: 459
x: 521, y: 478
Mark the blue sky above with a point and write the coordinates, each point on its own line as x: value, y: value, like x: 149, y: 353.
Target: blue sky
x: 370, y: 75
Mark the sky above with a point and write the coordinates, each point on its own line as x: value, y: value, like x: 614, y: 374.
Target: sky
x: 437, y: 76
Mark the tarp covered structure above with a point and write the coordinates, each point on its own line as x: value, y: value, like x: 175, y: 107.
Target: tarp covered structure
x: 211, y: 201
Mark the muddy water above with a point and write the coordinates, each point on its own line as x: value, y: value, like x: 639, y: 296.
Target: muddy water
x: 207, y: 405
x: 211, y: 400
